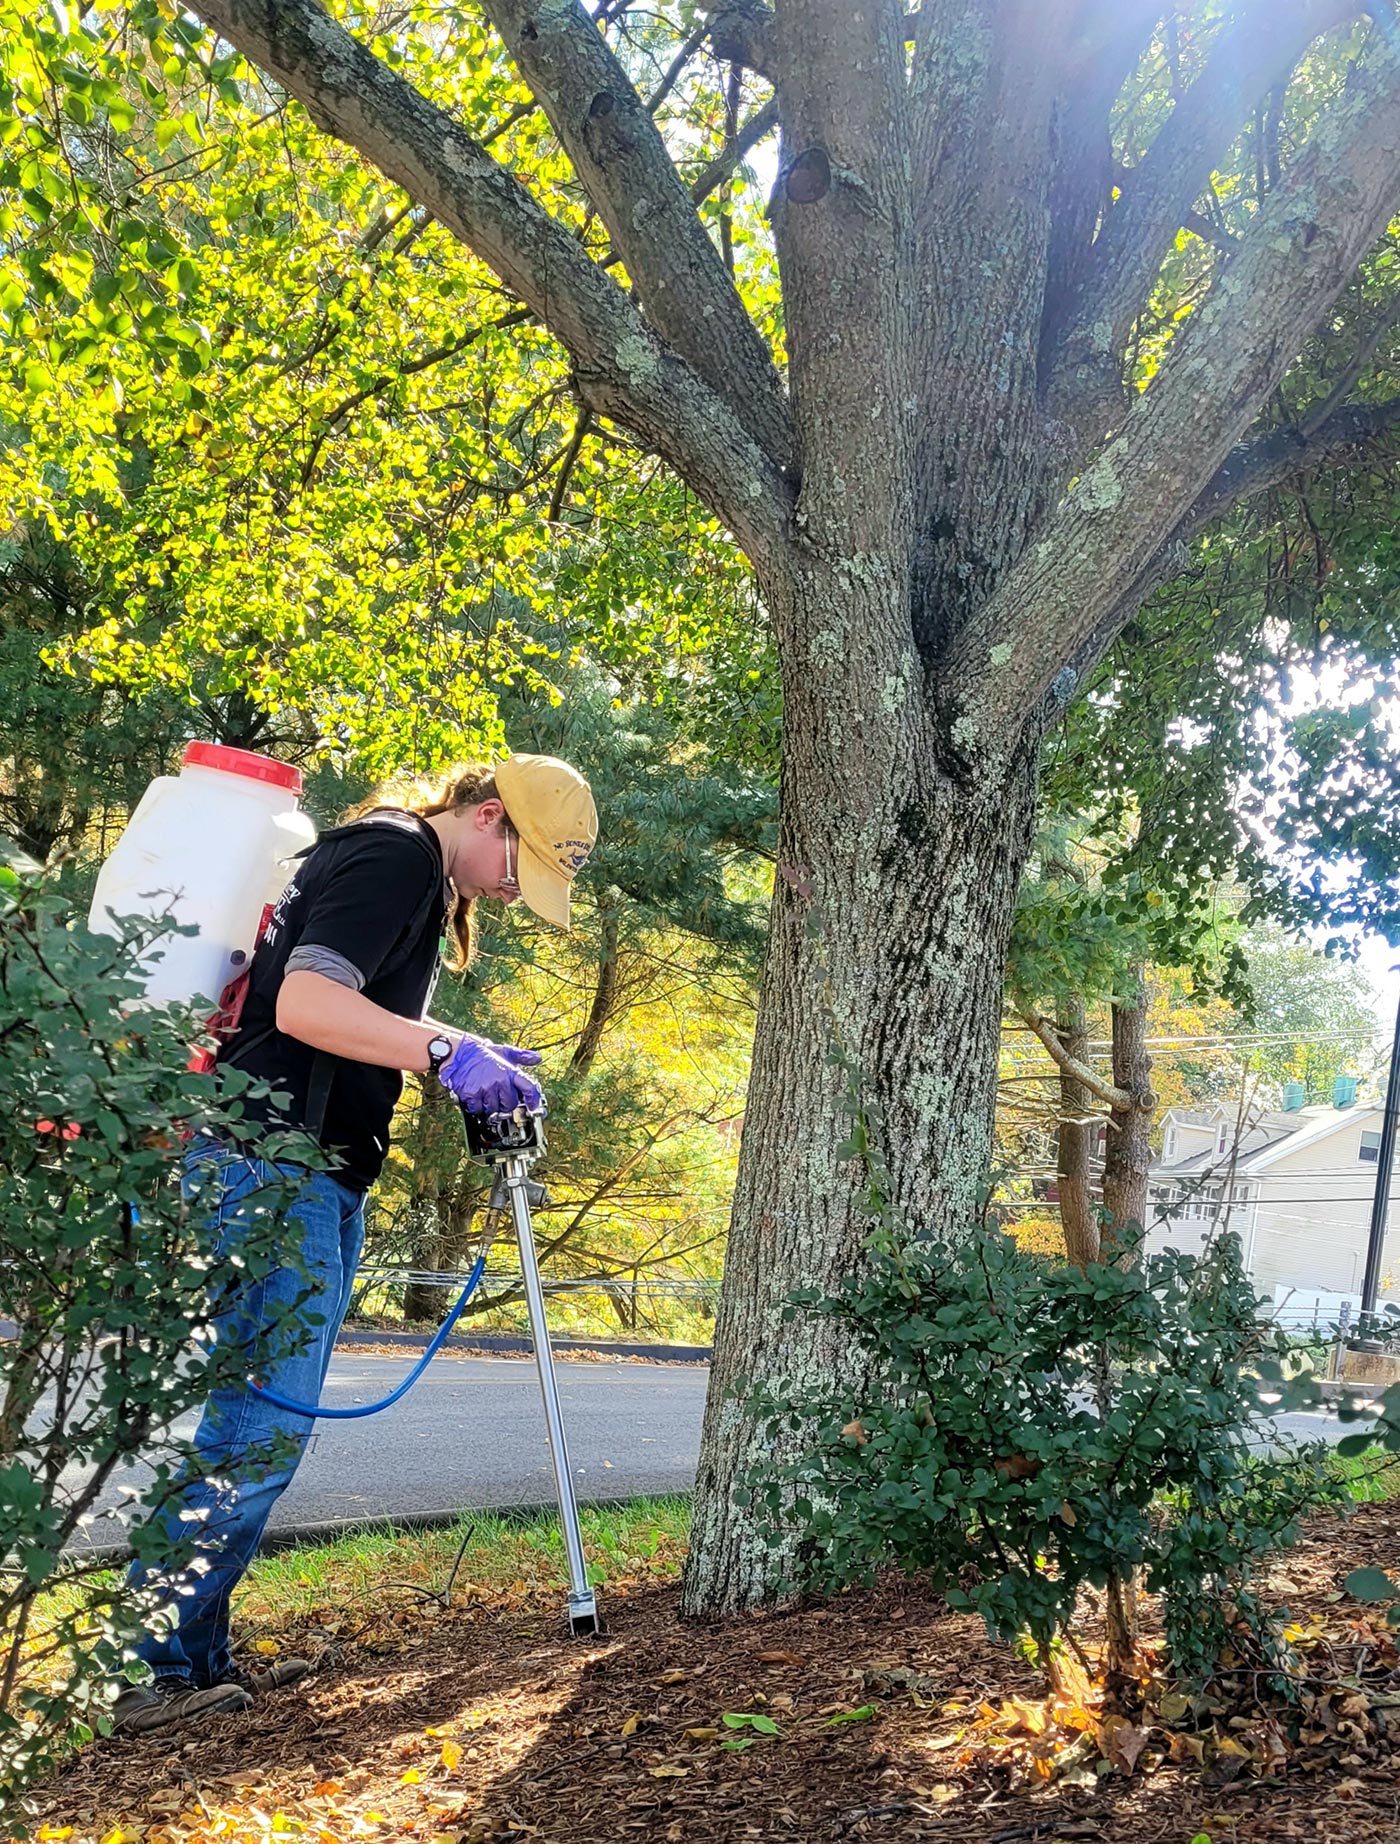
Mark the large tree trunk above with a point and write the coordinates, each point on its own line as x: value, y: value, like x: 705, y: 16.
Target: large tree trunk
x: 1128, y: 1155
x: 889, y: 930
x: 955, y: 508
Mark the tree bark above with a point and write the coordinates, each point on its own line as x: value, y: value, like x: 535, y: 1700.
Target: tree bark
x: 1073, y: 1142
x: 1128, y: 1156
x: 889, y: 929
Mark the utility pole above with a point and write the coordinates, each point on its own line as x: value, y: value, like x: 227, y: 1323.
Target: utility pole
x: 1380, y: 1204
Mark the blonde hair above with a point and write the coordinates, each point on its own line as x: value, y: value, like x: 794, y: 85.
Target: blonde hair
x: 468, y: 785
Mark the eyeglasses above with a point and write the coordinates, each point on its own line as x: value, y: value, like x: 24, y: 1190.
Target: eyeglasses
x: 508, y: 882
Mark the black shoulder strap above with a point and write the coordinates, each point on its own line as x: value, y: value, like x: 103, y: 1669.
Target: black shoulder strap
x: 394, y: 819
x: 318, y: 1092
x: 324, y: 1064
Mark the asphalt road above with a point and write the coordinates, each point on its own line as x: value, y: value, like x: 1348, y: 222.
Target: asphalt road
x: 471, y: 1434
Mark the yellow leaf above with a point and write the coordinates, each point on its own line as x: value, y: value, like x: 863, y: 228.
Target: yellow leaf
x: 53, y: 1834
x: 269, y: 1648
x: 630, y: 1726
x: 673, y: 1677
x: 451, y: 1756
x: 702, y: 1735
x: 668, y: 1773
x: 411, y: 1778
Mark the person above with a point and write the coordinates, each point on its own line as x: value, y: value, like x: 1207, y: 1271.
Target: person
x: 335, y: 1012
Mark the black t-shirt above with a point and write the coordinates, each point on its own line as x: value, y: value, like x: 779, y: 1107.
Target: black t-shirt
x: 372, y: 894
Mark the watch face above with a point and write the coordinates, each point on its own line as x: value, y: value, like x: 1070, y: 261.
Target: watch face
x: 439, y: 1049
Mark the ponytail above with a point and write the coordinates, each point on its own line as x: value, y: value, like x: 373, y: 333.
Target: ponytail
x: 467, y: 786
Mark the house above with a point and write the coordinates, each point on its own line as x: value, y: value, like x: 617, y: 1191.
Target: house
x: 1294, y: 1183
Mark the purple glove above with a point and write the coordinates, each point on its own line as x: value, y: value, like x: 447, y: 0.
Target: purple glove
x: 486, y: 1078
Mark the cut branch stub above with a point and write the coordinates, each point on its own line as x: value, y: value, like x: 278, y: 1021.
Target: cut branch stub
x: 808, y: 177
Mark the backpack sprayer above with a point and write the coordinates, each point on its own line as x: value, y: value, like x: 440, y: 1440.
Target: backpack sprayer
x: 510, y: 1143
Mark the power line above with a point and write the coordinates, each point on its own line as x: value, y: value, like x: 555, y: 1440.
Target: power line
x: 1237, y: 1204
x: 1224, y: 1039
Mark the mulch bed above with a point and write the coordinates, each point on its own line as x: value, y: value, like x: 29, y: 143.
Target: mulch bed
x: 484, y: 1723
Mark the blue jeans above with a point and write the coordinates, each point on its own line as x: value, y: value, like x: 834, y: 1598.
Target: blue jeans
x: 227, y: 1481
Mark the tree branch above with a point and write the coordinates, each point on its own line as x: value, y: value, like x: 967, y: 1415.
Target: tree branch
x: 623, y: 370
x: 617, y: 151
x: 841, y: 221
x: 1355, y: 432
x: 1106, y: 45
x: 741, y: 32
x: 1266, y: 460
x: 1255, y: 50
x: 759, y: 125
x: 1346, y: 381
x: 1302, y: 250
x: 1081, y: 1072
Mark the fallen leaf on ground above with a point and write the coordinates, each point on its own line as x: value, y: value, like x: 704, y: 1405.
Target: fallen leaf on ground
x: 1121, y: 1741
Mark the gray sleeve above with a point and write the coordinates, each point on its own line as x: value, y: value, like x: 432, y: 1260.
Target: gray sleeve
x: 328, y: 964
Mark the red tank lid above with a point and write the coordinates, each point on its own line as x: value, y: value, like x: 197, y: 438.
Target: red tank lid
x: 242, y: 762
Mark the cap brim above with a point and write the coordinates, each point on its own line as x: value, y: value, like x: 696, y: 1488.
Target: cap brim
x: 543, y: 888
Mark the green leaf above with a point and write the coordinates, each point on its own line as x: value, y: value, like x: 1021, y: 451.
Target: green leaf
x: 1351, y: 1445
x: 749, y: 1719
x: 1370, y: 1585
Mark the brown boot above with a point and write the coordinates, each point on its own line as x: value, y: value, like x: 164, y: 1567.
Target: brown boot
x: 142, y: 1708
x: 274, y: 1674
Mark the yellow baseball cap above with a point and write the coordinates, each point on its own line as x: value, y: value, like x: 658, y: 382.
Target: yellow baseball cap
x: 551, y: 807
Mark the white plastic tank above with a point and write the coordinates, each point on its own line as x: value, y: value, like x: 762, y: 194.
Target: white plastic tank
x: 213, y: 846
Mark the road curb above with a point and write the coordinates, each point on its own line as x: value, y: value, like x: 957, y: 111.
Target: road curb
x: 1364, y: 1395
x: 331, y: 1530
x: 519, y: 1344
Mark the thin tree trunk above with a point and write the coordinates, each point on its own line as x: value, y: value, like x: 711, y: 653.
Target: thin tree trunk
x: 1073, y: 1144
x: 888, y: 941
x: 604, y: 997
x: 422, y: 1303
x: 1128, y: 1156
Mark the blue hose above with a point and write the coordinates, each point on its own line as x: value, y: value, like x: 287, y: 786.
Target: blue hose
x: 439, y: 1338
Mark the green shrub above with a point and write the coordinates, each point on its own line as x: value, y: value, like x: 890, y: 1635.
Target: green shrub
x: 1025, y: 1431
x: 104, y: 1278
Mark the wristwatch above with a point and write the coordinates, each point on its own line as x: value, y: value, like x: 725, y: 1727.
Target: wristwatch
x: 439, y: 1050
